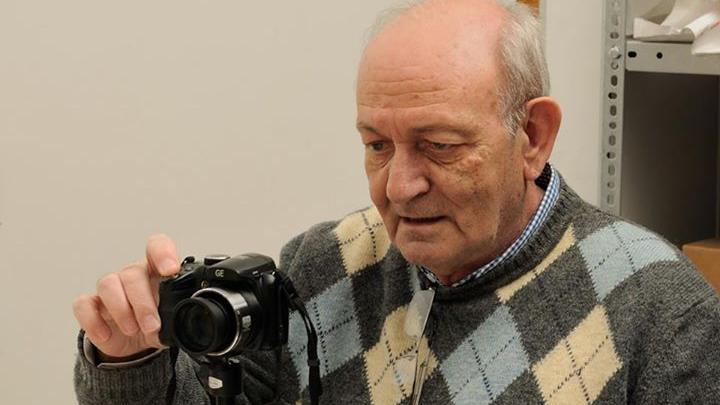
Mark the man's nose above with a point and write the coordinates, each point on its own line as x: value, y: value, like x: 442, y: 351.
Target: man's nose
x: 407, y: 178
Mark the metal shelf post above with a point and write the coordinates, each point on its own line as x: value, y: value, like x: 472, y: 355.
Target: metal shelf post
x: 612, y: 122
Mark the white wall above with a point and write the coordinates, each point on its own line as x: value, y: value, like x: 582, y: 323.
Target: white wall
x: 228, y: 126
x: 574, y: 50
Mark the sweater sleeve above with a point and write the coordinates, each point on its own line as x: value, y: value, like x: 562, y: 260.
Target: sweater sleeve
x: 169, y: 378
x: 686, y: 367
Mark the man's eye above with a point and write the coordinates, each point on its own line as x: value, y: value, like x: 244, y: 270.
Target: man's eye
x: 441, y: 146
x: 377, y: 146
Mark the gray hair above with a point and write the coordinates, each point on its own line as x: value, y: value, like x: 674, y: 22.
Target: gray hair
x: 521, y: 54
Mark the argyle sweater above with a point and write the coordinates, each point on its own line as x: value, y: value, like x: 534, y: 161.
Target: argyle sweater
x: 592, y: 310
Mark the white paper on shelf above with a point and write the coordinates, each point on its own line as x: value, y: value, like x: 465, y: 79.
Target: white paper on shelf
x: 708, y: 43
x: 650, y: 31
x: 687, y: 12
x: 651, y: 10
x: 686, y: 22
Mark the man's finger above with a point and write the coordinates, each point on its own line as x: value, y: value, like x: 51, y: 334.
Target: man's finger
x: 161, y: 255
x: 112, y: 295
x: 87, y: 313
x: 138, y: 291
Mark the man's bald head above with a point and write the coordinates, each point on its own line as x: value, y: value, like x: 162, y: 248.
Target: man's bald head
x: 419, y: 8
x: 472, y: 28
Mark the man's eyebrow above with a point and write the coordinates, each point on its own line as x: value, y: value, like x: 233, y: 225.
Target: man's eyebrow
x: 427, y: 129
x: 361, y: 126
x: 465, y: 133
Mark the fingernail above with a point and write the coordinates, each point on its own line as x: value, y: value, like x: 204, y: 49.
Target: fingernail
x: 168, y: 266
x: 151, y: 324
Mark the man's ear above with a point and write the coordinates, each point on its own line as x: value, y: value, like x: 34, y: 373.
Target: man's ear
x: 541, y: 125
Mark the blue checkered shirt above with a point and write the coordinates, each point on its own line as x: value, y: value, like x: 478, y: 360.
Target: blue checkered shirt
x: 552, y: 192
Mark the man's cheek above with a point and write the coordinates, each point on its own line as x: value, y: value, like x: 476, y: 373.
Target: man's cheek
x: 377, y: 190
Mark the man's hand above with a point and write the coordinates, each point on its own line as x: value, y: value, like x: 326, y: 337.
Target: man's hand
x: 121, y: 319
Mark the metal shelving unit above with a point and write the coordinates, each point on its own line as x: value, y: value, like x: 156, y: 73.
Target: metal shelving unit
x: 661, y: 126
x: 668, y: 58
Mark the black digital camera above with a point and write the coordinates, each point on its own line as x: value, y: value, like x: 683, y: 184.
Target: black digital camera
x: 224, y: 305
x: 216, y: 309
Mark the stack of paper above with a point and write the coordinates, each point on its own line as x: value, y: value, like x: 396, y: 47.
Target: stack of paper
x: 708, y: 43
x: 691, y: 21
x: 652, y: 10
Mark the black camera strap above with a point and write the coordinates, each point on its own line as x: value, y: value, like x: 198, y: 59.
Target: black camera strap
x: 314, y: 383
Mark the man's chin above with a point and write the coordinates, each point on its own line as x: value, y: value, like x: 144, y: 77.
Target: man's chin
x: 423, y: 253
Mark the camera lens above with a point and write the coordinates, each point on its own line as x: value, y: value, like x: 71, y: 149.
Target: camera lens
x: 212, y: 322
x: 201, y: 325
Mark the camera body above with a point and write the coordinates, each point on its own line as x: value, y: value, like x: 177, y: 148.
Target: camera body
x: 224, y: 305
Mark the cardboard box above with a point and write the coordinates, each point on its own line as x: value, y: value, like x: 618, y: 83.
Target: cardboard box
x: 532, y: 3
x: 706, y: 256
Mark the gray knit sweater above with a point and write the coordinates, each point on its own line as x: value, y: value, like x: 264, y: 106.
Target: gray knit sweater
x: 593, y: 310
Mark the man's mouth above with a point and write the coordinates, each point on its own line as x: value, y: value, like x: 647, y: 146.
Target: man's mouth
x: 422, y: 220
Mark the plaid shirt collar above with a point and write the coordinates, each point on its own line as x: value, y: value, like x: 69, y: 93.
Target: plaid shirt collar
x: 550, y: 182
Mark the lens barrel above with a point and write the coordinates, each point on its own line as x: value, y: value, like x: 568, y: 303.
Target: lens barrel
x: 212, y: 322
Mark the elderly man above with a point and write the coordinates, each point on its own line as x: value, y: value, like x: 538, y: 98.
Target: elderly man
x: 538, y: 296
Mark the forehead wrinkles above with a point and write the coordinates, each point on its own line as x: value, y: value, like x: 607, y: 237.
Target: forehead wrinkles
x: 386, y: 95
x: 390, y: 88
